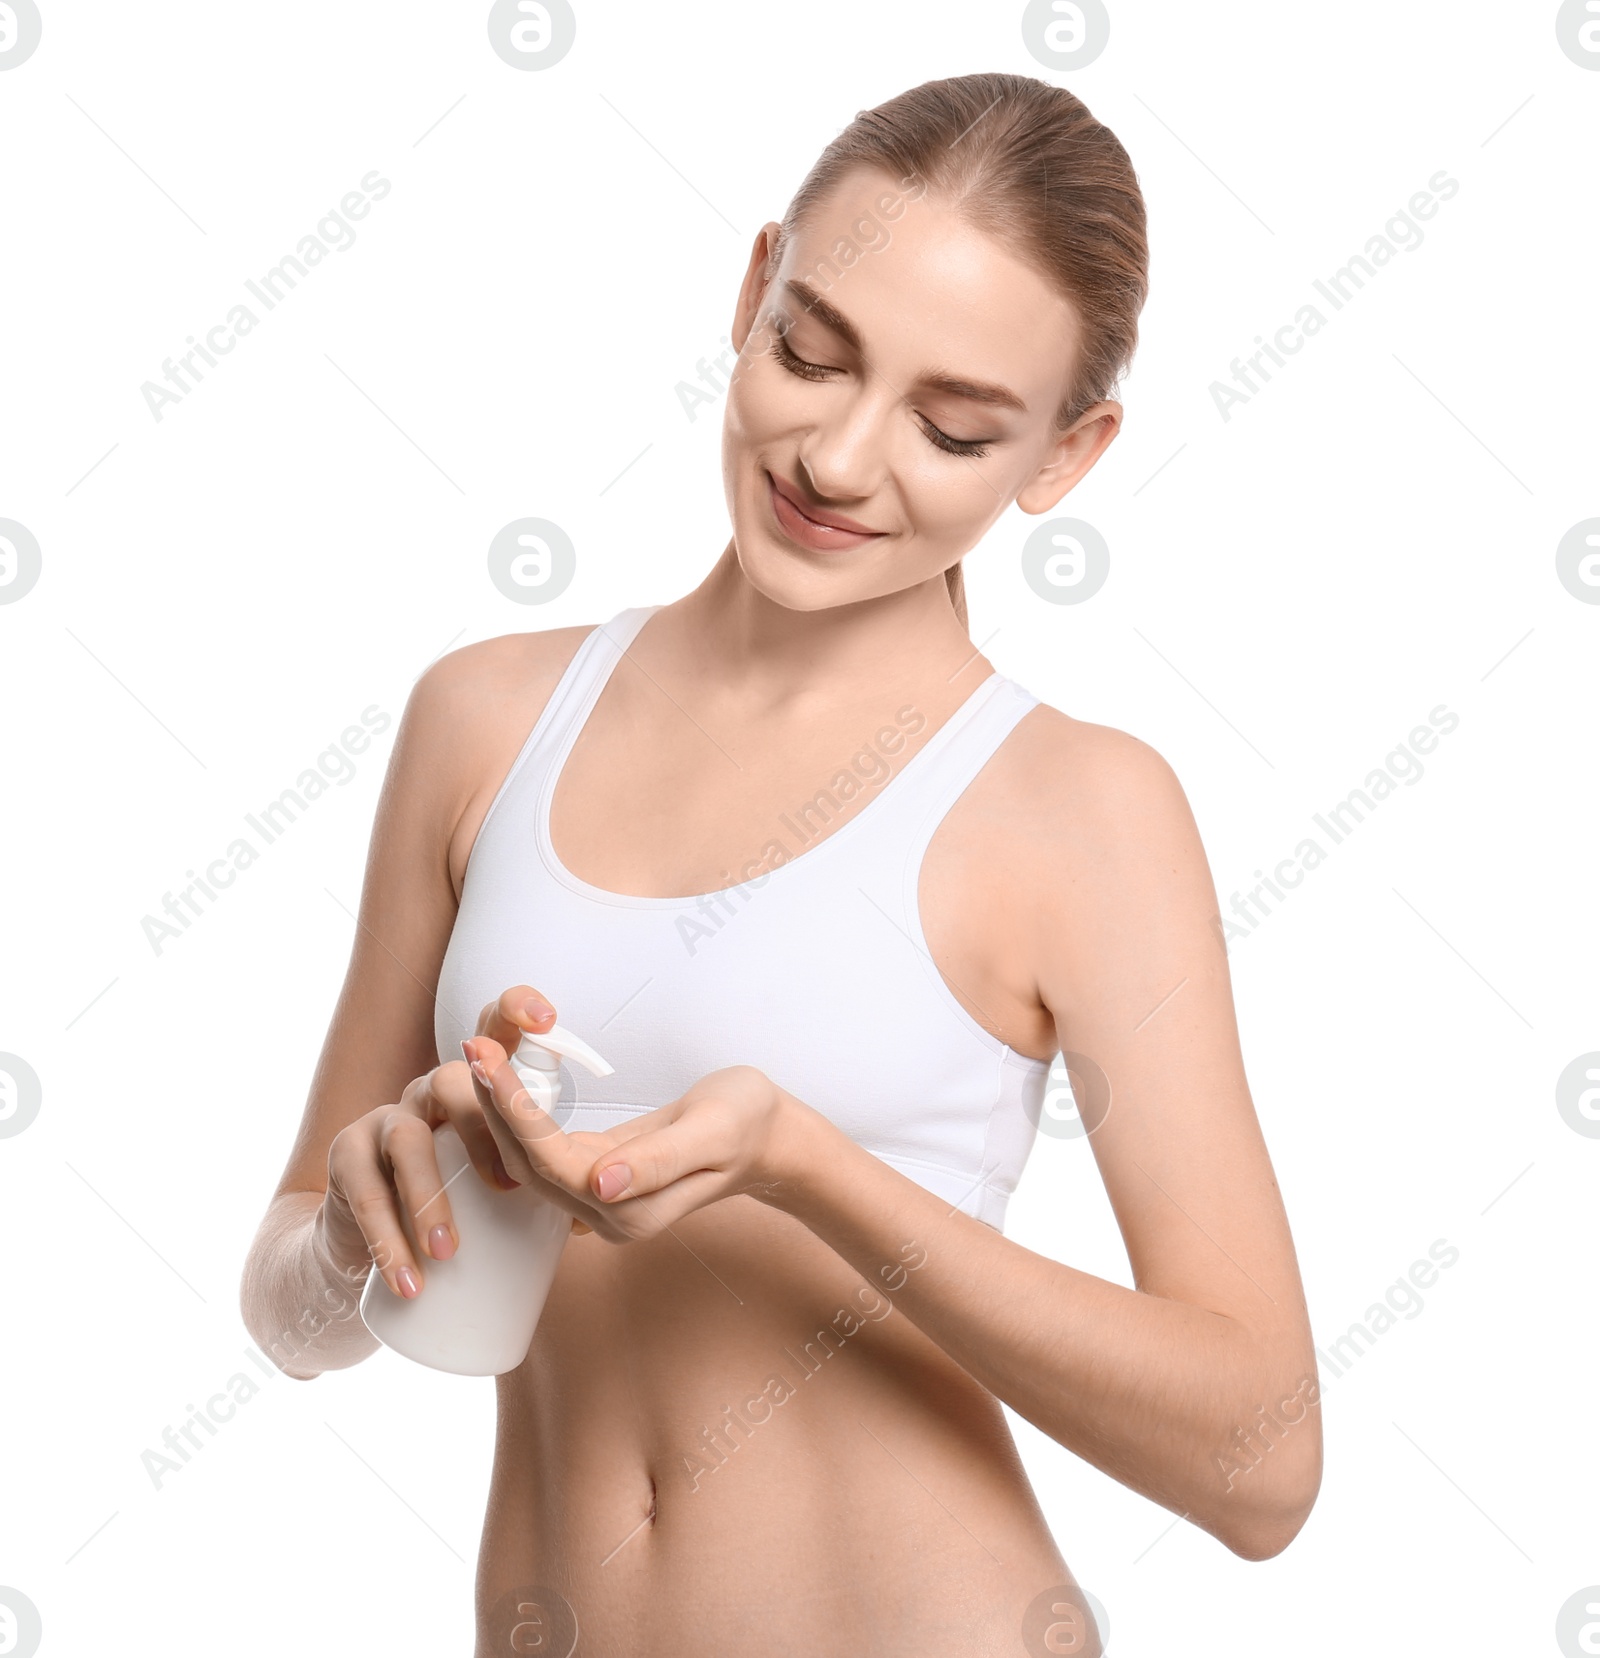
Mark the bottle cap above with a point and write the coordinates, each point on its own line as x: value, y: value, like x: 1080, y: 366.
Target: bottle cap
x: 541, y: 1051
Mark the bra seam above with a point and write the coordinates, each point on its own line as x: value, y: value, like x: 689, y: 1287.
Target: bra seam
x: 983, y: 1185
x: 991, y: 1116
x: 578, y: 712
x: 560, y: 694
x: 911, y: 880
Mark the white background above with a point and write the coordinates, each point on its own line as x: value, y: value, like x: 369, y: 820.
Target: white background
x: 1291, y: 591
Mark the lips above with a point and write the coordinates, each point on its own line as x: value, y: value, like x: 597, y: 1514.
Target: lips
x: 811, y: 526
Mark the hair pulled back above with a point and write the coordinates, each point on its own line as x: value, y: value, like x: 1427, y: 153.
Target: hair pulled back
x: 1026, y: 163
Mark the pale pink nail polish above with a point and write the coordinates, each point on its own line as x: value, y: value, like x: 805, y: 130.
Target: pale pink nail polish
x: 440, y: 1244
x: 613, y: 1180
x: 406, y: 1279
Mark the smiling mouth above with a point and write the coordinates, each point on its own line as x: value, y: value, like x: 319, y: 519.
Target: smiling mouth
x: 825, y: 534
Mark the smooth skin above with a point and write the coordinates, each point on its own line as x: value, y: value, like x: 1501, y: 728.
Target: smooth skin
x: 1069, y: 906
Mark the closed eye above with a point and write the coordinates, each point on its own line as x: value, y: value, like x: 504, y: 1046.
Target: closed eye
x: 820, y: 371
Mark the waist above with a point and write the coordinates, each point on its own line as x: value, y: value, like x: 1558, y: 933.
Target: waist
x: 728, y: 1418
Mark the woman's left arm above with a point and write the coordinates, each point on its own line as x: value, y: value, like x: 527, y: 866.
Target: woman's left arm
x: 1198, y: 1387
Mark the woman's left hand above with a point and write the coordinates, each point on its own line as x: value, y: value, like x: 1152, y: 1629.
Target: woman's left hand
x: 733, y: 1131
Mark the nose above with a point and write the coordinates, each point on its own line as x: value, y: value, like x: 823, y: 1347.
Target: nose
x: 845, y: 453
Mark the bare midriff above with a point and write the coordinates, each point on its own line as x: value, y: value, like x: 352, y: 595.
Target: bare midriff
x: 727, y: 1440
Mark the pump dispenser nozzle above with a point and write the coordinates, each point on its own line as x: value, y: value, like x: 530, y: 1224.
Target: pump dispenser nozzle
x: 537, y: 1063
x: 542, y: 1051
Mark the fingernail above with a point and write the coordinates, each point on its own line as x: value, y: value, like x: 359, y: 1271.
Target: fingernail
x: 500, y: 1174
x: 614, y: 1178
x: 480, y: 1073
x: 469, y: 1051
x: 406, y: 1279
x: 440, y: 1244
x: 536, y: 1007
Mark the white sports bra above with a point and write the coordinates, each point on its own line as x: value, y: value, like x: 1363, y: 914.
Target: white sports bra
x: 815, y: 970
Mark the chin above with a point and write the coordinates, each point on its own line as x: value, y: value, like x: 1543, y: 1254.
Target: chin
x: 776, y: 574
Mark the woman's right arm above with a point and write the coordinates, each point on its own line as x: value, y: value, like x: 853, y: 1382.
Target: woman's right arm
x: 378, y: 1082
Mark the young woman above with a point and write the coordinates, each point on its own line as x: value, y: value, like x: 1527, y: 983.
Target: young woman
x: 830, y: 894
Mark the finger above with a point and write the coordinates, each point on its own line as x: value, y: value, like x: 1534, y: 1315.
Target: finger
x: 608, y: 1140
x: 446, y: 1095
x: 489, y: 1058
x: 633, y: 1218
x: 581, y: 1149
x: 406, y: 1145
x: 647, y: 1162
x: 513, y: 1014
x: 456, y: 1093
x: 501, y: 1027
x: 356, y: 1173
x: 536, y: 1135
x: 647, y: 1122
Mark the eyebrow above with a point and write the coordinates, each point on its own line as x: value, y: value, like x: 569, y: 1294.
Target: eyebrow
x: 977, y: 391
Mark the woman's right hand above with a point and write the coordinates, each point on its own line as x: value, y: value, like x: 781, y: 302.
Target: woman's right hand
x: 384, y: 1163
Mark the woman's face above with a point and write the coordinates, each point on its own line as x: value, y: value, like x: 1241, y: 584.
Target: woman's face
x: 899, y: 371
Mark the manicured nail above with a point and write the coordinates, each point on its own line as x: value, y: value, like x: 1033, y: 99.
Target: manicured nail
x: 500, y: 1174
x: 406, y: 1279
x: 469, y: 1051
x: 535, y: 1008
x: 441, y: 1246
x: 481, y: 1074
x: 614, y: 1178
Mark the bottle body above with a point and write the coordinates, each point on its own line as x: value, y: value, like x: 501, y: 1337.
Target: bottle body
x: 477, y: 1311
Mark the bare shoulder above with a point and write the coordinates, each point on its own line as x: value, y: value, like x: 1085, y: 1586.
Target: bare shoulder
x: 471, y: 711
x: 1104, y: 855
x: 479, y: 679
x: 466, y: 706
x: 1068, y: 778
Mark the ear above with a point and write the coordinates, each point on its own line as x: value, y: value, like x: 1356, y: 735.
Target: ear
x: 758, y: 274
x: 1071, y: 456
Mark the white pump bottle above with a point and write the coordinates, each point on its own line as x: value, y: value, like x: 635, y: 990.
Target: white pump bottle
x: 476, y: 1313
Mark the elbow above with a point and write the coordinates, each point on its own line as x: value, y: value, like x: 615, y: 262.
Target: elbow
x: 1261, y: 1536
x: 255, y: 1301
x: 291, y: 1351
x: 1266, y: 1497
x: 250, y: 1293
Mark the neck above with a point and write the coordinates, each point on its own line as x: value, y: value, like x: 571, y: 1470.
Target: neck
x: 730, y: 630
